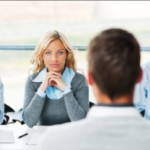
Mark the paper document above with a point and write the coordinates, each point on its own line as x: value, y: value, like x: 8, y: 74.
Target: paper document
x: 34, y: 139
x: 6, y: 136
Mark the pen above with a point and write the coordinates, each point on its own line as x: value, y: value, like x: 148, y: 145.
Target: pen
x: 22, y: 135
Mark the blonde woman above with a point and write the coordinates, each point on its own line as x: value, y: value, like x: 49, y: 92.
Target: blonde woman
x: 55, y: 93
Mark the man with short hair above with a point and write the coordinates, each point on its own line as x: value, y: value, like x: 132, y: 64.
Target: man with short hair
x: 1, y: 102
x: 114, y: 123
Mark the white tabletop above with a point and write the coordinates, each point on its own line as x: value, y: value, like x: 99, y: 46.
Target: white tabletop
x: 21, y: 143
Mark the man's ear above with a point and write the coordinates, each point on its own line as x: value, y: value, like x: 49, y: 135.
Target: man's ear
x: 140, y: 76
x: 90, y: 78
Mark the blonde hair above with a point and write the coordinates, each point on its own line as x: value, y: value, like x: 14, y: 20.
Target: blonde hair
x: 37, y: 56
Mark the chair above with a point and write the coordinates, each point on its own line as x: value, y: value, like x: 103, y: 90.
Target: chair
x: 142, y: 113
x: 91, y: 104
x: 7, y: 109
x: 18, y: 116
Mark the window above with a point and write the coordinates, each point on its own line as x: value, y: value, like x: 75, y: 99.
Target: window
x: 24, y: 22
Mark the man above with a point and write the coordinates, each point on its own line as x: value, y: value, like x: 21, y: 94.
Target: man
x: 114, y: 124
x: 1, y: 102
x: 142, y: 92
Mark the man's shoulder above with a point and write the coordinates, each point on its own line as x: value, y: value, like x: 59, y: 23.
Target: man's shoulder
x: 71, y: 127
x: 92, y: 132
x: 64, y: 133
x: 100, y: 123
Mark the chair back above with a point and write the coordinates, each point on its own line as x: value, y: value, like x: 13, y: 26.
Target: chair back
x: 7, y: 109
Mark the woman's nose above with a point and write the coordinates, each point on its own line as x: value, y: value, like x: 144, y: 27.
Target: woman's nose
x: 54, y: 58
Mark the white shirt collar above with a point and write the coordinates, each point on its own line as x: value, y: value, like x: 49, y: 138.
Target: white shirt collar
x: 104, y: 111
x: 41, y: 76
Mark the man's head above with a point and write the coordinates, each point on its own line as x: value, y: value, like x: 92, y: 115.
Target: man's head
x: 114, y: 62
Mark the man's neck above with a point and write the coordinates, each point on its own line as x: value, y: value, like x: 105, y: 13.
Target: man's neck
x: 105, y: 99
x: 125, y: 99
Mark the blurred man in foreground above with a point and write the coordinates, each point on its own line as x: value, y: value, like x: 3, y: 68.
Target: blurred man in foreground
x: 114, y: 124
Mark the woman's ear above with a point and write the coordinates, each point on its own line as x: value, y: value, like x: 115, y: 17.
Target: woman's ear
x: 140, y: 76
x: 90, y: 78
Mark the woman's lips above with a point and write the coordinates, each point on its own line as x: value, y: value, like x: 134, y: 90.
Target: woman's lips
x: 54, y: 65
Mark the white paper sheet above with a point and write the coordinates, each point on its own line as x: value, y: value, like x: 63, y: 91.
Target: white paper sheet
x: 34, y: 139
x: 6, y: 136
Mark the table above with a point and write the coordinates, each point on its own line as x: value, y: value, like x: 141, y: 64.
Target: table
x: 21, y: 144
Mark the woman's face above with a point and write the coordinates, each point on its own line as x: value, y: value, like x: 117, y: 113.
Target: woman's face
x: 55, y: 56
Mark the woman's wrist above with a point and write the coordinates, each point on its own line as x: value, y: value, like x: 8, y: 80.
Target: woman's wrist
x: 63, y: 88
x: 42, y: 88
x: 66, y: 90
x: 41, y: 93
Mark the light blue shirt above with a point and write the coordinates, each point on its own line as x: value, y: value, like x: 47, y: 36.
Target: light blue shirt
x: 142, y: 92
x: 53, y: 92
x: 1, y: 102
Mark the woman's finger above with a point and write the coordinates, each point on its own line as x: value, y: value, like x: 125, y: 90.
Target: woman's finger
x: 54, y: 73
x: 52, y: 81
x: 52, y: 76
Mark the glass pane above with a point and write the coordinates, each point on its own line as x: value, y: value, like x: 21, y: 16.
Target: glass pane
x: 25, y: 21
x: 14, y: 71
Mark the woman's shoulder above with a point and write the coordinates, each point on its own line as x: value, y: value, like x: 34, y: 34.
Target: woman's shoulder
x: 79, y: 78
x: 32, y: 76
x: 30, y: 81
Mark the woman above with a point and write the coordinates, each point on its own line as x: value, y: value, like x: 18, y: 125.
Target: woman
x: 55, y: 93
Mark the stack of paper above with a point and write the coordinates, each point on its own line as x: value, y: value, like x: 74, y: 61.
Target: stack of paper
x: 6, y: 136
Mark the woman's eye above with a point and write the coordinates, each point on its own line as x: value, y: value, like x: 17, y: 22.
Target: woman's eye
x: 47, y: 53
x: 60, y: 53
